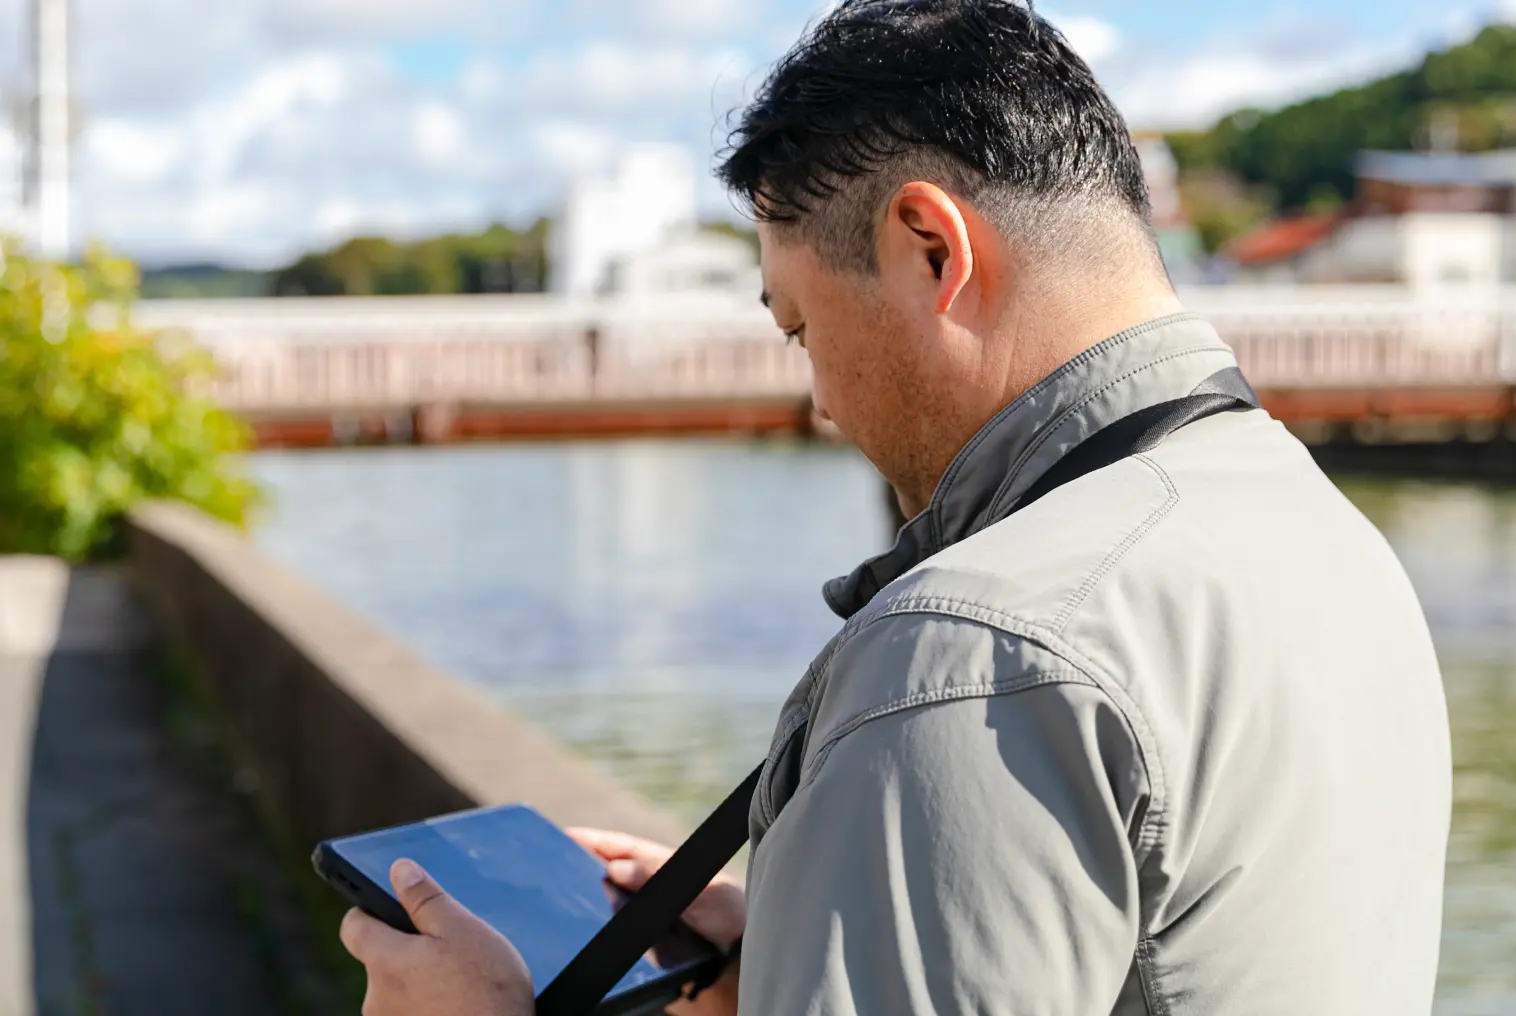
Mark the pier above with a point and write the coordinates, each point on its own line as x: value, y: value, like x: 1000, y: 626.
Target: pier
x: 1359, y: 366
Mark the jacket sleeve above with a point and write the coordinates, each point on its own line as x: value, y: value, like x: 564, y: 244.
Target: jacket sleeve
x: 968, y: 856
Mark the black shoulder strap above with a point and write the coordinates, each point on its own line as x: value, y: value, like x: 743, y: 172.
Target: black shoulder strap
x: 650, y: 912
x: 1144, y: 430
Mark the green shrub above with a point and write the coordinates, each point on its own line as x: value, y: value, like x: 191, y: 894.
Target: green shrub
x: 97, y: 414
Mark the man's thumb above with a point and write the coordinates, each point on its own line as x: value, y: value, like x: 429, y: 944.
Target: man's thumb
x: 432, y: 910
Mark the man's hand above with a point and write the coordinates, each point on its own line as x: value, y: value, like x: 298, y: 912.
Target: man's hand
x: 456, y: 966
x: 719, y: 914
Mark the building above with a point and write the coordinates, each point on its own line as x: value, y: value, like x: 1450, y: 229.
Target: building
x: 635, y: 234
x: 47, y: 132
x: 1178, y: 240
x: 689, y: 262
x: 1298, y: 248
x: 1418, y: 219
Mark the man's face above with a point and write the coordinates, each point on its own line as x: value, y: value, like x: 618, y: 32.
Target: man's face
x: 879, y: 369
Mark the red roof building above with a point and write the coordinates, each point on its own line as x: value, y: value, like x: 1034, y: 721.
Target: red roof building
x: 1283, y: 239
x: 1420, y: 219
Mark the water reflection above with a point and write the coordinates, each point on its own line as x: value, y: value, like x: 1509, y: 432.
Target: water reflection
x: 1458, y: 542
x: 652, y: 604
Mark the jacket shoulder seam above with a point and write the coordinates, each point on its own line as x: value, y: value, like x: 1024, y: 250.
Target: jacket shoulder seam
x: 780, y: 745
x: 1153, y: 822
x: 1066, y: 614
x: 936, y: 696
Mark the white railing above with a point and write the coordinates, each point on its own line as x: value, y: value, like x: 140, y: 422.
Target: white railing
x: 1375, y: 336
x: 383, y: 353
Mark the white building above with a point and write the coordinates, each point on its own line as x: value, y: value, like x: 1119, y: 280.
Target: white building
x: 635, y: 234
x: 689, y: 262
x: 1178, y: 241
x: 1420, y: 219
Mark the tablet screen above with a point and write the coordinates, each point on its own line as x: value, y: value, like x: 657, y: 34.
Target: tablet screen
x: 524, y: 877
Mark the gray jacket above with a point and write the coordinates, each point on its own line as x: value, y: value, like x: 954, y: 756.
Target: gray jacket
x: 1171, y: 740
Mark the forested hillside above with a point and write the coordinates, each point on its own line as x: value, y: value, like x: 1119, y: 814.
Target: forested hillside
x: 1463, y: 97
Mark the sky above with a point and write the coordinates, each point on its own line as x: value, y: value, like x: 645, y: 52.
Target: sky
x: 248, y: 131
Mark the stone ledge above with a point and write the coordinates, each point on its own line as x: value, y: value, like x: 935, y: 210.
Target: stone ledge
x: 345, y: 729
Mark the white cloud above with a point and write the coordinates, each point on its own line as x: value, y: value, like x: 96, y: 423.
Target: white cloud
x: 669, y: 20
x: 573, y: 149
x: 1194, y: 92
x: 481, y: 81
x: 304, y: 150
x: 611, y: 77
x: 337, y: 216
x: 1194, y: 88
x: 349, y: 18
x: 697, y: 18
x: 1289, y: 59
x: 1092, y: 38
x: 249, y: 130
x: 439, y: 132
x: 135, y: 153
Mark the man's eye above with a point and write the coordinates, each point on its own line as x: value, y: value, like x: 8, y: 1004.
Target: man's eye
x: 795, y: 335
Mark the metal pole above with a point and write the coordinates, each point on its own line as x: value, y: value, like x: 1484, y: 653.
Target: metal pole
x: 50, y: 188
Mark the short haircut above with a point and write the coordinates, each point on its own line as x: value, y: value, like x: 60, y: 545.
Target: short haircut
x: 982, y: 97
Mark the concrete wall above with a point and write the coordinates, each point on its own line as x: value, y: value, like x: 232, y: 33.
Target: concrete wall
x: 345, y: 729
x: 1451, y: 249
x: 1364, y: 250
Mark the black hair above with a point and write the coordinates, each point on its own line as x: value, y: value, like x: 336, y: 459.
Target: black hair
x: 982, y: 97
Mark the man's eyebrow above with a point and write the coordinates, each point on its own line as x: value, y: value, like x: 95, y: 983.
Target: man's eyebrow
x: 763, y: 298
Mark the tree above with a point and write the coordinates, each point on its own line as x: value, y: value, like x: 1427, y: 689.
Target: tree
x: 97, y: 414
x: 1305, y: 152
x: 1221, y: 208
x: 499, y: 260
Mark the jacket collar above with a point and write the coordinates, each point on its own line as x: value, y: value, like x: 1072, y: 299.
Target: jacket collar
x: 1140, y: 367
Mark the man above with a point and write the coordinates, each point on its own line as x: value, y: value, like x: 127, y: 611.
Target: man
x: 1169, y: 740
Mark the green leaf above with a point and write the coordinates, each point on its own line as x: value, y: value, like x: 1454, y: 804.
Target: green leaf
x: 94, y: 413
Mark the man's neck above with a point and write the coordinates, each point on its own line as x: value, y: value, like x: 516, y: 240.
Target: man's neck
x: 1035, y: 341
x: 1057, y: 329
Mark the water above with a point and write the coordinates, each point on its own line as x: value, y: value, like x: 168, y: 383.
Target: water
x: 652, y: 604
x: 649, y: 603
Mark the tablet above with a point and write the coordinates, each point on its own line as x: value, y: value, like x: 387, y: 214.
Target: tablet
x: 528, y: 880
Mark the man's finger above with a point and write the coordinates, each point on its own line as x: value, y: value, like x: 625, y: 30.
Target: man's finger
x: 367, y: 938
x: 432, y: 910
x: 629, y: 873
x: 612, y: 846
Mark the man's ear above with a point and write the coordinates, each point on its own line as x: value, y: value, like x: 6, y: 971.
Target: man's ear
x: 934, y: 233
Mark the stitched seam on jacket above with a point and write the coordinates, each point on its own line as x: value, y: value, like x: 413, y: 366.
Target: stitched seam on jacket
x: 1155, y: 821
x: 1147, y: 971
x: 782, y: 740
x: 776, y: 751
x: 1057, y: 425
x: 993, y: 689
x: 1121, y: 338
x: 1122, y: 549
